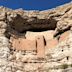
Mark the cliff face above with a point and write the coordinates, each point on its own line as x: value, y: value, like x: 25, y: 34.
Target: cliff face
x: 36, y: 41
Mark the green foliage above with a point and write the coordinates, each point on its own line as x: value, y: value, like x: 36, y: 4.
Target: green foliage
x: 71, y: 65
x: 64, y: 66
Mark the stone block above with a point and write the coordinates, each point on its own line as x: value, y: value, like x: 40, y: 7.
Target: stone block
x: 40, y: 46
x: 23, y: 44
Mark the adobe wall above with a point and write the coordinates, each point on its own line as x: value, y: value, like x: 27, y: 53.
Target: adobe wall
x: 39, y: 43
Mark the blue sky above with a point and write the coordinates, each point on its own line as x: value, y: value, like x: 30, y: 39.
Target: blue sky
x: 32, y: 4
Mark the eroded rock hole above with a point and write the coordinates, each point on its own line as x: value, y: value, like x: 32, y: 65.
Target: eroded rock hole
x: 62, y: 50
x: 67, y: 57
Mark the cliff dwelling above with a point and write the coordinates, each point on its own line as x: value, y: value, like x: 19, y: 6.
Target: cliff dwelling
x: 34, y: 34
x: 36, y: 41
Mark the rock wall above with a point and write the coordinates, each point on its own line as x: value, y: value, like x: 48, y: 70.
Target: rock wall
x: 36, y: 41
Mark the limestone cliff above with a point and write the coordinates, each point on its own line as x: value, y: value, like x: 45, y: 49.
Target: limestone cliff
x: 36, y: 41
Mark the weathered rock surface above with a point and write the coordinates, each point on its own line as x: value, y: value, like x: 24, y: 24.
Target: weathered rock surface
x: 36, y: 41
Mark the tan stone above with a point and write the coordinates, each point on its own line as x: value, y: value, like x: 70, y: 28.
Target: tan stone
x: 40, y: 46
x: 24, y: 44
x: 64, y: 36
x: 2, y: 31
x: 47, y: 34
x: 52, y: 43
x: 2, y: 16
x: 3, y: 25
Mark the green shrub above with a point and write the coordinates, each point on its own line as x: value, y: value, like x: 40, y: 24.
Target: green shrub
x: 71, y: 65
x: 64, y: 66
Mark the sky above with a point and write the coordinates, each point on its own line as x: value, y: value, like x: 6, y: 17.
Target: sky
x: 32, y: 4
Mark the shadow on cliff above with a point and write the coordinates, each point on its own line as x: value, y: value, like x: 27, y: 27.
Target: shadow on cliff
x: 21, y: 24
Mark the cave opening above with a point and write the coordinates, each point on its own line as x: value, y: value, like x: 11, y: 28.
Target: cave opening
x: 21, y: 25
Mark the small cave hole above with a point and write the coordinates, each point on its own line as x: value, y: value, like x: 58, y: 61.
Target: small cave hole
x: 67, y: 57
x: 62, y: 50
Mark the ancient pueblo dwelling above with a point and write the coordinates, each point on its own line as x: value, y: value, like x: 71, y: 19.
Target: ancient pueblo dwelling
x: 36, y: 41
